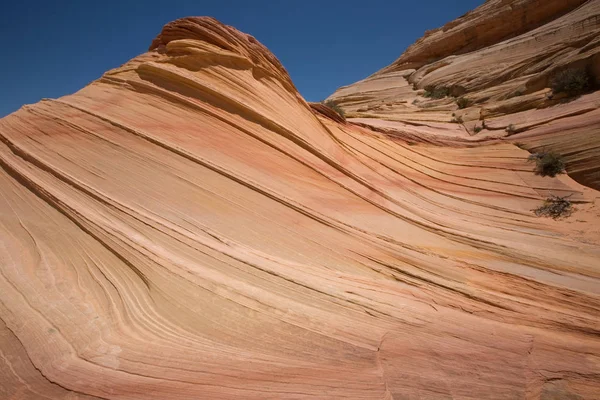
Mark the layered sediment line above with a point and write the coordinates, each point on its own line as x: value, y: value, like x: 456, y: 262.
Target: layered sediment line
x: 187, y: 227
x: 489, y: 74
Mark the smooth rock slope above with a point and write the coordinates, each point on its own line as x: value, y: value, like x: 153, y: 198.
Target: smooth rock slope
x: 188, y: 227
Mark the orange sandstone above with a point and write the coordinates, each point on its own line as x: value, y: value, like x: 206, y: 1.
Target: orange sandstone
x: 188, y: 227
x: 501, y: 58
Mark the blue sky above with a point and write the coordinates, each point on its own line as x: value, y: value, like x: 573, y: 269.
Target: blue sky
x: 53, y: 48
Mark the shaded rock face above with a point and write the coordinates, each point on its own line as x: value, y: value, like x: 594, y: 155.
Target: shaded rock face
x: 493, y: 22
x: 188, y: 227
x: 501, y: 58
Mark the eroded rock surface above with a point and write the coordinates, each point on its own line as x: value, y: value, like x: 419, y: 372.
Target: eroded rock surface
x: 500, y: 59
x: 188, y: 227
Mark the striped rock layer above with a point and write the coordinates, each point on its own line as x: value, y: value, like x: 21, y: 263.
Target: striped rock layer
x: 188, y: 227
x: 501, y: 58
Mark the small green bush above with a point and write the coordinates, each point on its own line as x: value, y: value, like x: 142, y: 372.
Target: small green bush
x: 511, y: 128
x: 555, y: 207
x: 478, y: 129
x: 547, y: 164
x: 457, y: 120
x: 571, y: 81
x: 463, y: 102
x: 436, y: 92
x: 333, y: 105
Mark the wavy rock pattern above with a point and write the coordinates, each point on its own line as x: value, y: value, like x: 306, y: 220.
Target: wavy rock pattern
x: 501, y: 57
x: 188, y: 227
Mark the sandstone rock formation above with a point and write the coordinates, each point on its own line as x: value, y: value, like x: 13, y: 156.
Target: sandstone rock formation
x: 188, y: 227
x: 501, y: 58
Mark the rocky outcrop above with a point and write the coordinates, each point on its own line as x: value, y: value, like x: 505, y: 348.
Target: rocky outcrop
x: 206, y: 41
x: 493, y: 22
x: 323, y: 110
x: 499, y: 58
x: 189, y: 227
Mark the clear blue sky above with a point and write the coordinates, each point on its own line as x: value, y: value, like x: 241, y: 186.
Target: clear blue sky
x: 53, y: 48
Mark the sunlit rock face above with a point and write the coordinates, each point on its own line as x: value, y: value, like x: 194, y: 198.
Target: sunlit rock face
x: 501, y: 58
x: 188, y: 227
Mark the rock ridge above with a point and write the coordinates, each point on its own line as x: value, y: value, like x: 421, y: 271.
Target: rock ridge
x: 188, y: 227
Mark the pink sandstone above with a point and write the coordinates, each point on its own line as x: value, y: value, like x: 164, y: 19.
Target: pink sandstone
x: 188, y: 227
x: 501, y: 57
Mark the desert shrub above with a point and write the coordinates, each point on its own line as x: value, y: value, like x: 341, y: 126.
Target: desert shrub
x: 511, y: 128
x: 463, y: 102
x: 547, y: 164
x: 478, y: 129
x: 335, y: 107
x: 571, y: 81
x: 457, y: 120
x: 436, y: 92
x: 555, y: 207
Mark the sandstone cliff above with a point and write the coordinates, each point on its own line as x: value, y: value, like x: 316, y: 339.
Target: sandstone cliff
x: 188, y: 227
x: 500, y: 58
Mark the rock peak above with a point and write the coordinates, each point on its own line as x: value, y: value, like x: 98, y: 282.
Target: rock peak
x: 188, y: 227
x: 225, y: 37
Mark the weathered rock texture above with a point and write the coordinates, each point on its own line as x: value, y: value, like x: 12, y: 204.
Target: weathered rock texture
x: 501, y: 58
x: 188, y: 227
